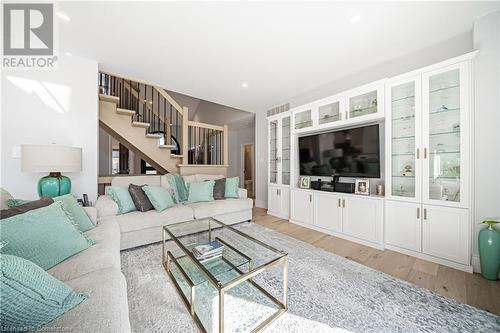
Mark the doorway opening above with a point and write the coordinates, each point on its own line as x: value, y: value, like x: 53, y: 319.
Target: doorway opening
x: 247, y: 168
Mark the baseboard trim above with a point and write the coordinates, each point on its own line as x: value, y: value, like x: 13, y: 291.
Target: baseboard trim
x: 444, y: 262
x: 277, y: 215
x: 476, y: 264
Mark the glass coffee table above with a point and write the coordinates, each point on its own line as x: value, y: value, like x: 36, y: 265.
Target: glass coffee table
x: 225, y: 293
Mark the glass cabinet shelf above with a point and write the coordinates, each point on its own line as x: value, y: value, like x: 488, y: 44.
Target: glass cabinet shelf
x: 285, y: 151
x: 364, y: 104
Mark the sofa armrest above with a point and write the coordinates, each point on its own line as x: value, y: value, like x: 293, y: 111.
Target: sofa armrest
x: 92, y: 213
x: 106, y: 206
x: 242, y: 193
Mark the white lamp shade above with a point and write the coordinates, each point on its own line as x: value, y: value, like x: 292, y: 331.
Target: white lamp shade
x: 50, y: 158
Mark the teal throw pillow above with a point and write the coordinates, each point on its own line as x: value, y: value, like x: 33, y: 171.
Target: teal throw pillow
x: 31, y: 297
x: 72, y: 207
x: 15, y: 202
x: 45, y: 236
x: 202, y: 191
x: 121, y: 196
x: 232, y: 187
x: 160, y: 197
x: 182, y: 191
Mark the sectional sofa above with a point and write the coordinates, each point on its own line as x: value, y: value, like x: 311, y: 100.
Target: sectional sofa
x: 96, y: 270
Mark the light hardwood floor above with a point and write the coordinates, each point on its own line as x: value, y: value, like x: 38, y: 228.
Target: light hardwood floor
x: 466, y: 288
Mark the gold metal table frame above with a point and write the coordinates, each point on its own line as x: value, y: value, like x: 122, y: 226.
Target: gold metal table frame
x: 168, y: 259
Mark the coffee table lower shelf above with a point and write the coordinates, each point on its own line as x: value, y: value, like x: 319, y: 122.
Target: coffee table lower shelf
x: 239, y: 304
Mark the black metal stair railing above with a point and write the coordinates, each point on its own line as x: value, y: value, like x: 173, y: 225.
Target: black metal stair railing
x: 149, y: 106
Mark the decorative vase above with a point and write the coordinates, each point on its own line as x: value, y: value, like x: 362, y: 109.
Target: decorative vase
x: 54, y: 185
x: 489, y: 251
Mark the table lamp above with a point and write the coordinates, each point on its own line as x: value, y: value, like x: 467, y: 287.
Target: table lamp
x: 53, y: 159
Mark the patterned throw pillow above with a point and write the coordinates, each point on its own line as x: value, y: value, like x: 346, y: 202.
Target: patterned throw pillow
x: 232, y: 187
x: 159, y: 197
x: 178, y: 187
x: 220, y: 189
x: 71, y: 206
x: 45, y: 236
x: 31, y: 297
x: 201, y: 191
x: 121, y: 196
x: 140, y: 198
x: 13, y: 202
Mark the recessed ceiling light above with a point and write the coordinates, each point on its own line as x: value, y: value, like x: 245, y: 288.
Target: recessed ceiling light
x: 63, y: 16
x: 355, y: 18
x: 244, y: 85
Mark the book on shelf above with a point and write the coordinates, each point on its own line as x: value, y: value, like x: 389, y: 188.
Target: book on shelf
x: 209, y: 250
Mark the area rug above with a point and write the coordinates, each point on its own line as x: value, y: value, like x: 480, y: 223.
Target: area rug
x: 327, y: 293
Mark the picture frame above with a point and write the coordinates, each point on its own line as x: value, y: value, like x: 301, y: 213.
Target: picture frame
x: 305, y: 182
x: 362, y: 186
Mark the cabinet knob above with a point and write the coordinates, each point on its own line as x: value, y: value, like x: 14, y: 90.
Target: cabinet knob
x: 418, y: 213
x: 425, y: 153
x: 310, y: 198
x: 339, y: 202
x: 343, y: 203
x: 425, y: 213
x: 418, y: 153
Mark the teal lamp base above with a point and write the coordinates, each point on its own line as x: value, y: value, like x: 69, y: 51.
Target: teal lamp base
x: 54, y: 185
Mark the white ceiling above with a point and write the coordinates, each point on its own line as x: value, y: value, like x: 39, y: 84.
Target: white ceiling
x: 280, y: 49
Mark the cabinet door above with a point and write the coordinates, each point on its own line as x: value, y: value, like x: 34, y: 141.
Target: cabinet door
x: 328, y: 211
x: 273, y: 151
x: 366, y: 102
x: 446, y: 136
x: 403, y: 225
x: 362, y: 218
x: 301, y: 206
x: 273, y: 200
x: 303, y: 119
x: 446, y: 233
x: 285, y: 150
x: 330, y: 111
x: 403, y: 135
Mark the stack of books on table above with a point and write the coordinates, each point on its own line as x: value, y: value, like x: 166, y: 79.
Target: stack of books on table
x: 208, y: 251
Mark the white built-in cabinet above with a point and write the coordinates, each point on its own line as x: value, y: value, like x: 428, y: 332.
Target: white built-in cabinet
x: 426, y: 211
x: 346, y: 215
x: 363, y: 104
x: 279, y: 136
x: 428, y: 162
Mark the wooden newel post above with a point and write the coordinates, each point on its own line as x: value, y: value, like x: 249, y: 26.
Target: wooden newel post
x: 185, y: 135
x: 225, y: 146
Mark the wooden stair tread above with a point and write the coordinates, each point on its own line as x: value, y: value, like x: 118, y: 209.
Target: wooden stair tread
x: 140, y: 124
x: 166, y: 146
x: 176, y: 156
x: 153, y: 136
x: 109, y: 98
x: 125, y: 112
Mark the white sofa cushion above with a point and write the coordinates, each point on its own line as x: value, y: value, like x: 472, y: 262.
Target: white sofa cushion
x: 219, y: 207
x: 105, y: 207
x: 106, y: 309
x: 104, y: 254
x: 153, y: 180
x: 141, y: 220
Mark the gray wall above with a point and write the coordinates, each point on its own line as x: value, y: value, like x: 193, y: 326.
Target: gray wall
x: 487, y: 121
x: 447, y: 49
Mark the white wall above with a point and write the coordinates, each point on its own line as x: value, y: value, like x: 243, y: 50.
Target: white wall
x: 51, y: 106
x: 447, y: 49
x: 239, y: 134
x: 487, y: 121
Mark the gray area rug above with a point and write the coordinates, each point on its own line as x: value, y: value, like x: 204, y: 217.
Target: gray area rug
x: 327, y: 293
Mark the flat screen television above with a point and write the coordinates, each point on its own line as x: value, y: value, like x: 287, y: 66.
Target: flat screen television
x: 350, y: 152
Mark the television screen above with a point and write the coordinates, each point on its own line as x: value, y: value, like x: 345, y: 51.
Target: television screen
x: 351, y: 152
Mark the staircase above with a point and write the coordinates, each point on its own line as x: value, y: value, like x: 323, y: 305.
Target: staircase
x: 149, y: 122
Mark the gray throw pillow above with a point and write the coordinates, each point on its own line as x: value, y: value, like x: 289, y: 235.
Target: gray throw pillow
x: 140, y: 198
x: 26, y: 207
x: 220, y: 189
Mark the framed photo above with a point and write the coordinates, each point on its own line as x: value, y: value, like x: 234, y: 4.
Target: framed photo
x: 305, y: 182
x: 362, y: 186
